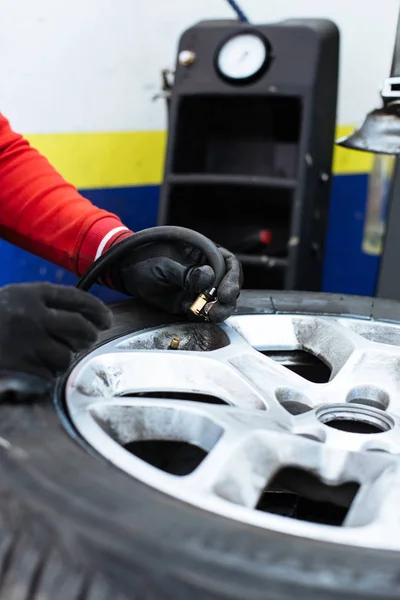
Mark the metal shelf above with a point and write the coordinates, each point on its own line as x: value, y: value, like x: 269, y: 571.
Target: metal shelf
x: 245, y: 180
x: 263, y: 260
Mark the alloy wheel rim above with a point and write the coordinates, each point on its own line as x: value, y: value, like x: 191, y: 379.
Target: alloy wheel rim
x: 227, y: 391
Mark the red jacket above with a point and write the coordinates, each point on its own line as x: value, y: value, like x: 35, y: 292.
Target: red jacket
x: 42, y: 213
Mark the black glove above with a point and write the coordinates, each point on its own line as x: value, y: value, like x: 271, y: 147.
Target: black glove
x: 43, y: 325
x: 171, y: 276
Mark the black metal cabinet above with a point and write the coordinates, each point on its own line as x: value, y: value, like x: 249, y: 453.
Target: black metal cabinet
x: 250, y: 144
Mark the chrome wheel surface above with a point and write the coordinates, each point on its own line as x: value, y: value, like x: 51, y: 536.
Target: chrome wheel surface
x: 285, y: 422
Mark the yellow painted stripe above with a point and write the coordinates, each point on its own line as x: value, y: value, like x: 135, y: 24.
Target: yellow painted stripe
x: 100, y: 160
x: 103, y: 160
x: 348, y: 162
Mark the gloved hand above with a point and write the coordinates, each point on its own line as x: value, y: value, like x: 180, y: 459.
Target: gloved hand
x: 42, y: 325
x: 171, y: 276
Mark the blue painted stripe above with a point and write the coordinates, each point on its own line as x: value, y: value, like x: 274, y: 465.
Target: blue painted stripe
x: 137, y: 207
x: 347, y: 268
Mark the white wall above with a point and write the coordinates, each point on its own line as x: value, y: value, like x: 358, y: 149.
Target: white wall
x: 94, y: 65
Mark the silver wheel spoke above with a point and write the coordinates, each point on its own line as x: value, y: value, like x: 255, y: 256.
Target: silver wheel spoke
x: 131, y: 420
x: 376, y: 508
x: 266, y: 376
x: 261, y: 373
x: 238, y: 469
x: 242, y: 464
x: 328, y: 340
x: 124, y: 373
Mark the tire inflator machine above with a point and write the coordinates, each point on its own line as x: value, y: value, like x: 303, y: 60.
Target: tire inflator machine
x: 252, y: 114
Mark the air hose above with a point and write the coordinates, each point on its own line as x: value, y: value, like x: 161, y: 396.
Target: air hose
x: 167, y: 233
x: 240, y: 14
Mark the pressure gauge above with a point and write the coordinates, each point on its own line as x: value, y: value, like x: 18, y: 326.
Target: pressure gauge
x: 242, y: 57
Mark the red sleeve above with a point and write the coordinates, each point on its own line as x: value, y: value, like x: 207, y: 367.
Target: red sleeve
x: 42, y: 213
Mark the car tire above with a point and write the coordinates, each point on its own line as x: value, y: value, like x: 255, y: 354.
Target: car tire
x: 74, y: 527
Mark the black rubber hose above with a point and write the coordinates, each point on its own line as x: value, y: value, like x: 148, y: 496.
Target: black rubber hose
x: 165, y: 233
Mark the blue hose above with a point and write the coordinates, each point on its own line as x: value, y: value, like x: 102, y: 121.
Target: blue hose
x: 241, y: 16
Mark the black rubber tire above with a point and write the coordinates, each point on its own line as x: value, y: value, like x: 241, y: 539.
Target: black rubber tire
x: 73, y: 527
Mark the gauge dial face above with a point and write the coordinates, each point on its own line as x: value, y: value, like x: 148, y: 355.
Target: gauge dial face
x: 242, y: 57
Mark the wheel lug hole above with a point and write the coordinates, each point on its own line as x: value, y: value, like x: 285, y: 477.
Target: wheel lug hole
x: 369, y: 395
x: 292, y: 400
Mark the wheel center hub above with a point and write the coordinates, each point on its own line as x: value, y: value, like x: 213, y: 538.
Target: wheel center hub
x: 354, y: 418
